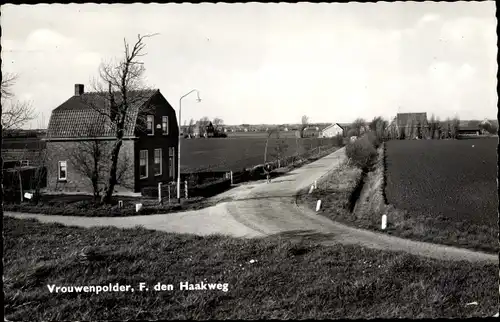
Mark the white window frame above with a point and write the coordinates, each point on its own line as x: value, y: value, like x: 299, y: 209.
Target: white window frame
x: 161, y: 166
x: 25, y: 163
x: 164, y: 124
x: 150, y: 119
x: 60, y: 164
x: 147, y: 165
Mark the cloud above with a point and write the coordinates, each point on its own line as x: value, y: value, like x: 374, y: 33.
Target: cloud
x: 428, y: 18
x: 46, y: 40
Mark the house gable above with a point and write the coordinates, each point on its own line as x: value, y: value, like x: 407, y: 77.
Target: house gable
x: 85, y: 115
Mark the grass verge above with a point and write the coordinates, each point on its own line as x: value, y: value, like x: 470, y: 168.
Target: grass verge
x: 340, y: 190
x: 84, y: 206
x: 287, y: 280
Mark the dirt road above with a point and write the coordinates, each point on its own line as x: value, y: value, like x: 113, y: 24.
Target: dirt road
x: 260, y: 209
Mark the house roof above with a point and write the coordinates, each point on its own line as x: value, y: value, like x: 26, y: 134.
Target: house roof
x: 344, y: 125
x: 79, y: 116
x: 332, y: 125
x: 404, y: 118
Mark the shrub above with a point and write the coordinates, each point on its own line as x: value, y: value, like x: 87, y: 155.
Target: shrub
x: 373, y: 139
x: 361, y: 152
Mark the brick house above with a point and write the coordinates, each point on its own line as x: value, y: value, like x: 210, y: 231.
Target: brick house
x: 147, y: 156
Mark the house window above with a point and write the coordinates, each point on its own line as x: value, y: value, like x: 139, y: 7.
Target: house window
x: 164, y: 124
x: 171, y: 162
x: 143, y: 164
x: 150, y: 124
x: 63, y: 171
x: 25, y: 163
x: 157, y: 165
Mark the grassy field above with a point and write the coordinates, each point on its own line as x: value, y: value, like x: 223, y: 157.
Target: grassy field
x: 283, y: 134
x: 455, y: 179
x: 428, y: 194
x: 224, y: 154
x: 270, y: 278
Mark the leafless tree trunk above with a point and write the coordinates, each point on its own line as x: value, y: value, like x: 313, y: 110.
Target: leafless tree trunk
x: 124, y: 88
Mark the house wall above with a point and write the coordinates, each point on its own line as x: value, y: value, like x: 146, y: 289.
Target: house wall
x: 76, y: 180
x: 332, y: 131
x: 159, y: 140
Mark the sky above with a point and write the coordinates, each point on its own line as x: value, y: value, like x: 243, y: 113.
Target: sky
x: 267, y: 63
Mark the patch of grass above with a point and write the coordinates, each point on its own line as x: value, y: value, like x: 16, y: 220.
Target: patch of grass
x: 288, y: 280
x: 84, y: 206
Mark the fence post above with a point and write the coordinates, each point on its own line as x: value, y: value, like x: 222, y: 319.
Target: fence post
x: 186, y: 188
x: 231, y: 174
x: 159, y: 192
x: 20, y: 184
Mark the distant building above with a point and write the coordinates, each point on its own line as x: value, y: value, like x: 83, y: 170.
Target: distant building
x: 332, y: 131
x: 468, y: 128
x: 409, y: 126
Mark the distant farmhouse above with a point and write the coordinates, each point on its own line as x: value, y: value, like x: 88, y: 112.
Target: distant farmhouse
x: 469, y: 128
x: 333, y: 130
x: 409, y: 125
x: 149, y: 151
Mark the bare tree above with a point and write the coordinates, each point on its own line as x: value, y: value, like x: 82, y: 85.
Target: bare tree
x: 8, y: 80
x: 357, y: 127
x: 88, y: 158
x: 190, y: 128
x: 120, y: 86
x: 15, y: 113
x: 217, y: 122
x: 203, y: 124
x: 378, y: 125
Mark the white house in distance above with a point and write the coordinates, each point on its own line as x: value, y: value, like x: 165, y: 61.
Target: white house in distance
x: 332, y: 131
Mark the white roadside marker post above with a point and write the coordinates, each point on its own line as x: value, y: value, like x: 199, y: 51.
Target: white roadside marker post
x: 138, y: 207
x: 384, y: 221
x: 318, y: 205
x: 315, y: 184
x: 159, y: 193
x: 311, y: 189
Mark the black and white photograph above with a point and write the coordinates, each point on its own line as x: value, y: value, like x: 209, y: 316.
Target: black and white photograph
x: 210, y: 161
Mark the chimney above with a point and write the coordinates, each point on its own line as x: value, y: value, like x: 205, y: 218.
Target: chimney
x: 78, y: 89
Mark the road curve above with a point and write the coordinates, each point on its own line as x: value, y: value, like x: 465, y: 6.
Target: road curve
x: 259, y: 209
